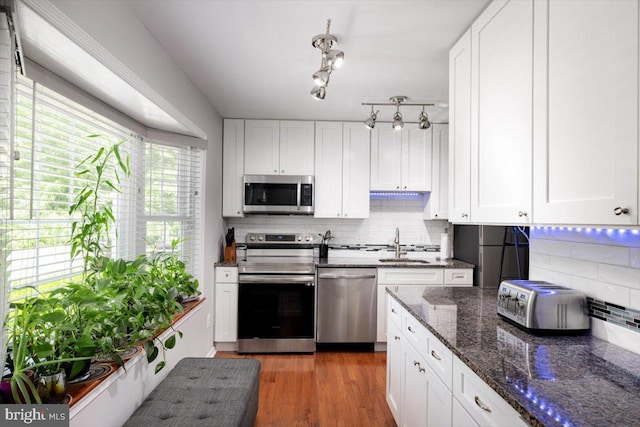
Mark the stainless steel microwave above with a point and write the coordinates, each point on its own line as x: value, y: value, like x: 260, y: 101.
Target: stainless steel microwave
x: 278, y: 194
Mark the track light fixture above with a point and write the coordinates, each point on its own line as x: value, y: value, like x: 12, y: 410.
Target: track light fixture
x: 331, y: 60
x: 370, y: 123
x: 423, y: 118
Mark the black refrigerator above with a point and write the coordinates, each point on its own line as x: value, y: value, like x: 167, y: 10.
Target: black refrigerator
x: 482, y: 246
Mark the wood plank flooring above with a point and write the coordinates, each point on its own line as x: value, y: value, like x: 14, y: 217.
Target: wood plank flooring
x: 321, y: 389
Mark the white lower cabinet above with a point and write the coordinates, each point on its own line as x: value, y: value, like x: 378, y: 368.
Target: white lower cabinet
x: 481, y: 402
x: 427, y: 400
x: 427, y: 385
x: 226, y: 304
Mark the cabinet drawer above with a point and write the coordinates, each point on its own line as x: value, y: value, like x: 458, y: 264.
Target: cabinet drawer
x: 484, y: 405
x: 414, y: 332
x: 440, y: 359
x: 410, y: 276
x: 226, y: 274
x: 394, y: 310
x: 458, y: 276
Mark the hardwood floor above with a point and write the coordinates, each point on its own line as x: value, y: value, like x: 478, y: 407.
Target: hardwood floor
x: 322, y: 389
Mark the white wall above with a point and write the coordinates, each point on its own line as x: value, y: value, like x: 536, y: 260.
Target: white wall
x: 602, y: 263
x: 114, y: 26
x: 385, y: 215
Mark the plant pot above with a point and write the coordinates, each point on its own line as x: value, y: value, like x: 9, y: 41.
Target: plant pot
x: 5, y: 390
x: 53, y: 388
x: 77, y: 371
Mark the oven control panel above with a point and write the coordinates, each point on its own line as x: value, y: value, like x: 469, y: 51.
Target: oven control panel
x: 284, y: 238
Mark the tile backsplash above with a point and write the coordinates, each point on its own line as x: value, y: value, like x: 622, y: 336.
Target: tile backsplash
x: 386, y: 213
x: 602, y: 263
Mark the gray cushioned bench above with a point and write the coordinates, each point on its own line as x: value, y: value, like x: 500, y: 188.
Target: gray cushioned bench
x: 203, y: 392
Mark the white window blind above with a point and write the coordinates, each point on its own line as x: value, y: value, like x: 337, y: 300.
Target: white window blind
x: 159, y: 203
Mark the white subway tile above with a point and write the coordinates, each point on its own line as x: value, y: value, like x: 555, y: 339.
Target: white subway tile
x: 620, y: 237
x: 634, y: 258
x: 555, y: 277
x: 539, y: 260
x: 574, y: 267
x: 600, y: 253
x: 550, y: 247
x: 615, y: 334
x: 634, y: 299
x: 603, y: 291
x: 629, y: 277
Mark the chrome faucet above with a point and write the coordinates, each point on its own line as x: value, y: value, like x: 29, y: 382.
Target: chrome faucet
x: 397, y: 242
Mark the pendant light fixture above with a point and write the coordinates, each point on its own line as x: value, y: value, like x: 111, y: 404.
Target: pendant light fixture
x: 331, y: 60
x: 398, y: 123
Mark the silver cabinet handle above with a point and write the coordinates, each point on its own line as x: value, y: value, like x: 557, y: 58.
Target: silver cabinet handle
x: 435, y: 355
x: 481, y: 405
x: 620, y: 211
x: 422, y: 370
x: 275, y: 170
x: 346, y: 276
x: 393, y: 310
x: 522, y: 213
x: 282, y: 171
x: 411, y: 330
x: 464, y: 215
x: 405, y: 187
x: 416, y: 363
x: 397, y: 338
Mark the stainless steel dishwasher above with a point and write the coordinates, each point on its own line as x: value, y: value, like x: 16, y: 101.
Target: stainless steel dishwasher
x: 346, y: 305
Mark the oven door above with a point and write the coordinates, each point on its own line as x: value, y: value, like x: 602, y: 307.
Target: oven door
x: 276, y: 313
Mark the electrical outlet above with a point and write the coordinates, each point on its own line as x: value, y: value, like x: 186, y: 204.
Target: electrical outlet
x: 208, y: 320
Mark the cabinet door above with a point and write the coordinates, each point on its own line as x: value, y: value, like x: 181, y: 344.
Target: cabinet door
x: 395, y: 371
x: 386, y: 158
x: 381, y: 324
x: 233, y: 167
x: 226, y: 316
x: 296, y: 148
x: 437, y: 206
x: 355, y: 170
x: 328, y: 167
x: 586, y: 112
x: 460, y: 417
x: 427, y: 402
x: 460, y: 124
x: 416, y: 158
x: 501, y: 112
x: 261, y: 147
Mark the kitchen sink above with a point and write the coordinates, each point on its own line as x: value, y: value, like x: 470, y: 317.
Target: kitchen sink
x: 403, y: 261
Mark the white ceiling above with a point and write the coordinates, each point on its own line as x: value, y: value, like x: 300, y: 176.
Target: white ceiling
x: 254, y: 59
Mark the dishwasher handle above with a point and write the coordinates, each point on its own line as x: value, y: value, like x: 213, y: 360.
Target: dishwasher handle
x: 346, y: 276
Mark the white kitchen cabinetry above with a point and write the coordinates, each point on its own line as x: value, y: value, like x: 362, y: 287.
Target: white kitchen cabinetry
x: 414, y: 276
x: 226, y: 304
x: 427, y: 400
x: 480, y: 401
x: 501, y: 112
x: 437, y: 206
x: 342, y: 170
x: 395, y: 370
x: 401, y: 160
x: 460, y: 130
x: 233, y: 167
x: 586, y: 112
x: 437, y: 388
x: 279, y: 147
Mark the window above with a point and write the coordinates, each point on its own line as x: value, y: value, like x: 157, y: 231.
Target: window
x: 159, y: 202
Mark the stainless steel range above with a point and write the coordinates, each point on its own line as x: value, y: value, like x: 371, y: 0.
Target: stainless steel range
x: 276, y: 299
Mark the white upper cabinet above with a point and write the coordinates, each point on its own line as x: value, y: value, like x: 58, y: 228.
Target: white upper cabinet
x: 296, y: 148
x: 437, y: 206
x: 342, y: 170
x: 356, y: 153
x: 501, y: 112
x: 460, y: 130
x: 279, y: 147
x: 233, y: 167
x: 586, y: 112
x: 386, y: 158
x: 400, y: 160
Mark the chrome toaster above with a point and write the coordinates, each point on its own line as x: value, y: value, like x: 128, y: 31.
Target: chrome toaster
x: 541, y: 307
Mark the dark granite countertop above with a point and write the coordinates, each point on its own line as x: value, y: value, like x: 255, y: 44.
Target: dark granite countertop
x: 375, y: 262
x: 563, y: 381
